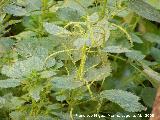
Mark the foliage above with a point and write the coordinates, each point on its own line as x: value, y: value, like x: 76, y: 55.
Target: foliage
x: 60, y: 59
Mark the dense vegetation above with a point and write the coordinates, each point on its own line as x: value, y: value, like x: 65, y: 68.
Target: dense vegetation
x: 68, y: 59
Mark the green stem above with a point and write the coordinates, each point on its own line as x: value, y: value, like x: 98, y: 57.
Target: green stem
x: 104, y: 9
x: 71, y: 113
x: 42, y: 17
x: 82, y: 71
x: 44, y: 8
x: 58, y: 52
x: 82, y: 64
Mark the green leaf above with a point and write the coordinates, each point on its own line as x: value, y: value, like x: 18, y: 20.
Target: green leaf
x: 33, y: 46
x: 97, y: 74
x: 5, y: 44
x: 47, y: 74
x: 16, y: 115
x: 50, y: 62
x: 27, y: 46
x: 54, y: 106
x: 33, y: 63
x: 155, y: 52
x: 16, y: 102
x: 135, y: 55
x: 80, y: 42
x: 59, y: 64
x: 67, y: 82
x: 68, y: 14
x: 154, y: 3
x: 145, y: 10
x: 151, y: 37
x: 54, y: 29
x: 33, y: 5
x: 9, y: 83
x: 136, y: 38
x: 2, y: 17
x: 87, y: 3
x: 15, y: 10
x: 24, y: 35
x: 34, y: 92
x: 94, y: 17
x: 126, y: 100
x: 2, y: 102
x: 92, y: 61
x: 116, y: 49
x: 61, y: 97
x: 148, y: 95
x: 41, y: 53
x: 75, y: 5
x: 101, y: 33
x: 23, y: 68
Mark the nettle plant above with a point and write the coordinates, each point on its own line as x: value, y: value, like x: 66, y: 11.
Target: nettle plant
x: 63, y: 58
